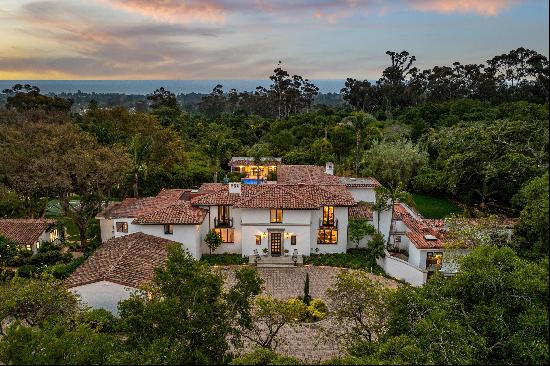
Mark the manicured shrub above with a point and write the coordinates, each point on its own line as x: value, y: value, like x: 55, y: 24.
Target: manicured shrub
x: 224, y: 259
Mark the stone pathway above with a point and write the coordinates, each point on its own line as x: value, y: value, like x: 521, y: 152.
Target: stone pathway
x: 309, y: 342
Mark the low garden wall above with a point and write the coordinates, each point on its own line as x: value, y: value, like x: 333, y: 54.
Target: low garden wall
x: 402, y: 270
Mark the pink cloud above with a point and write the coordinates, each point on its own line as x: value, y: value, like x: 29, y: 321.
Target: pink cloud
x: 173, y: 11
x: 480, y: 7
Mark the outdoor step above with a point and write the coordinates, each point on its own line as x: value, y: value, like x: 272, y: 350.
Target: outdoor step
x: 283, y: 261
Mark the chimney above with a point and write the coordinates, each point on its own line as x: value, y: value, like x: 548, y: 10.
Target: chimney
x: 235, y: 187
x: 329, y: 168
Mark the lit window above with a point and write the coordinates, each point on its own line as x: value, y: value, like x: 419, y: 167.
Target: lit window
x: 327, y: 236
x: 122, y: 227
x: 276, y: 216
x: 37, y: 245
x: 225, y: 234
x: 434, y: 260
x: 223, y: 214
x: 54, y: 235
x: 328, y: 216
x: 169, y: 229
x: 293, y: 240
x: 258, y: 240
x: 28, y: 247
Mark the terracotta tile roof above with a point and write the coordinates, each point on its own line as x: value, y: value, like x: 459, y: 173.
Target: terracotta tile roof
x: 306, y: 174
x: 24, y: 231
x: 295, y: 196
x: 128, y: 260
x: 215, y: 198
x: 248, y: 161
x: 368, y: 182
x: 363, y: 210
x: 135, y: 207
x: 181, y: 212
x: 418, y: 228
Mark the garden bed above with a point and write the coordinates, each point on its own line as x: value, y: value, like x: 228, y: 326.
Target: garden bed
x: 224, y: 259
x: 353, y: 259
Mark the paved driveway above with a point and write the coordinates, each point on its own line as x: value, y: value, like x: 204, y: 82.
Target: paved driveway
x: 309, y: 342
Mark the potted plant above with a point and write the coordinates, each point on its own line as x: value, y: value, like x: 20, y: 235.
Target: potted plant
x: 286, y: 252
x: 264, y: 250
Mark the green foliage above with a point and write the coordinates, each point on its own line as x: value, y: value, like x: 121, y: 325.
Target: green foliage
x: 213, y: 240
x: 354, y: 259
x: 307, y: 298
x: 28, y: 271
x: 358, y: 229
x: 8, y: 250
x: 36, y: 301
x: 394, y: 162
x: 187, y: 315
x: 531, y: 232
x: 62, y: 271
x: 361, y: 302
x: 433, y: 207
x: 224, y: 259
x: 264, y: 356
x: 493, y: 311
x: 375, y: 247
x: 314, y: 311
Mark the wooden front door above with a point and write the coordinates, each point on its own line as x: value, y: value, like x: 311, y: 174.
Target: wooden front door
x: 276, y: 244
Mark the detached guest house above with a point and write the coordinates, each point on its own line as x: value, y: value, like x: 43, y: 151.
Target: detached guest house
x: 29, y: 233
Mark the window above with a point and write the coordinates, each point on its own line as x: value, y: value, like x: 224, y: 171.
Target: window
x: 225, y: 234
x: 328, y: 215
x: 327, y: 236
x: 223, y: 214
x: 276, y: 216
x: 54, y: 235
x: 434, y: 260
x: 122, y: 227
x: 258, y: 240
x: 169, y: 229
x: 37, y: 245
x: 293, y: 240
x: 28, y: 247
x: 397, y: 239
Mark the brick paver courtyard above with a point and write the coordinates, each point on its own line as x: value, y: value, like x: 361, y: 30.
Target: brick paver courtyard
x: 309, y: 342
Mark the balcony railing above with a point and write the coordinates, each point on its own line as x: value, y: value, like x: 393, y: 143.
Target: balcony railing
x: 324, y: 224
x: 225, y: 223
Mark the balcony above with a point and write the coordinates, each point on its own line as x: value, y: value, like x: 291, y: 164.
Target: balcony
x: 328, y: 224
x: 224, y: 223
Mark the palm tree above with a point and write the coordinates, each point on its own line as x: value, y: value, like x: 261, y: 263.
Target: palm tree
x: 358, y: 121
x: 386, y: 198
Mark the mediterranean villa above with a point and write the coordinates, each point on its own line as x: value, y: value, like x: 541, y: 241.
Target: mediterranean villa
x: 305, y: 211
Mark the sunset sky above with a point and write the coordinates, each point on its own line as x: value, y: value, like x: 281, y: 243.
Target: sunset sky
x: 244, y: 39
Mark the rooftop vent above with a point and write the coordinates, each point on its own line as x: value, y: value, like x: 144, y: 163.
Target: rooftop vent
x: 329, y: 168
x: 429, y: 237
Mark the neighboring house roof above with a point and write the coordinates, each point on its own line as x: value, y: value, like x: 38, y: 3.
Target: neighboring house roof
x: 351, y: 182
x: 363, y: 210
x: 306, y: 174
x: 293, y: 196
x: 135, y: 207
x: 249, y: 161
x: 129, y: 260
x: 24, y: 231
x: 181, y: 212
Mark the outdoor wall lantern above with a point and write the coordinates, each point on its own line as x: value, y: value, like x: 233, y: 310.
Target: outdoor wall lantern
x: 264, y: 234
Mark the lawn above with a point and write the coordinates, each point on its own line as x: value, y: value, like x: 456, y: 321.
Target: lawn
x: 432, y: 207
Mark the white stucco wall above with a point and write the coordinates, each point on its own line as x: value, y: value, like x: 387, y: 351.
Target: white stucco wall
x: 340, y: 213
x: 256, y: 221
x: 103, y: 295
x: 363, y: 194
x: 403, y: 270
x: 385, y: 220
x: 187, y: 235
